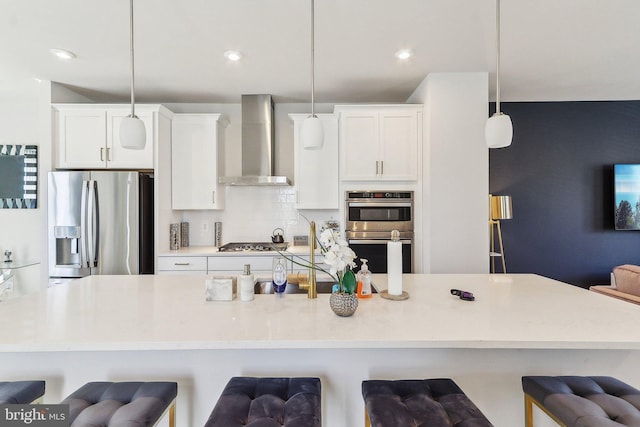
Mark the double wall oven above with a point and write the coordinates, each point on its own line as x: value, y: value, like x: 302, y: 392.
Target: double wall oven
x: 370, y: 217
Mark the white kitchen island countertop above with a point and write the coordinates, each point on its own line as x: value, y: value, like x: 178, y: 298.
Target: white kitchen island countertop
x: 170, y: 312
x: 159, y: 328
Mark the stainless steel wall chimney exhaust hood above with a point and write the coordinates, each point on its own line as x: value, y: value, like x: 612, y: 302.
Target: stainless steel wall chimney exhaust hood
x: 258, y: 140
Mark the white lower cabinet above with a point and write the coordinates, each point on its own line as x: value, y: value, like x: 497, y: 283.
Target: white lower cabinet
x: 218, y: 265
x: 182, y: 265
x: 233, y: 265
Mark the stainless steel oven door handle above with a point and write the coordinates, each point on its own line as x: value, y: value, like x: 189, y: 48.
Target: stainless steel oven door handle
x: 379, y: 205
x: 375, y: 242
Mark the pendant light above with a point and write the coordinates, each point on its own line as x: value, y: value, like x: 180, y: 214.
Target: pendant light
x: 312, y: 129
x: 132, y: 132
x: 498, y: 131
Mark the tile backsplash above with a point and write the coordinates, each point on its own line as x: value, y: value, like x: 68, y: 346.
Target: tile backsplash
x: 251, y: 214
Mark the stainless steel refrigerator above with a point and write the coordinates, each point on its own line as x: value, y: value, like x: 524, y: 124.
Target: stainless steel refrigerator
x: 99, y: 222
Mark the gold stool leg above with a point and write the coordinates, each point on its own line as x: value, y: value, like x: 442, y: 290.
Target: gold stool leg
x: 172, y: 415
x: 528, y: 411
x: 367, y: 421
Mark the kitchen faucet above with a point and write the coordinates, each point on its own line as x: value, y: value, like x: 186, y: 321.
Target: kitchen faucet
x: 310, y: 286
x: 309, y: 282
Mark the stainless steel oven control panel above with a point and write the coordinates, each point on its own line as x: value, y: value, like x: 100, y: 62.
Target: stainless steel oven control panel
x: 379, y: 195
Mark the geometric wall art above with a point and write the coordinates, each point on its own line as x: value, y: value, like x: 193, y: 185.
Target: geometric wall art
x: 18, y: 176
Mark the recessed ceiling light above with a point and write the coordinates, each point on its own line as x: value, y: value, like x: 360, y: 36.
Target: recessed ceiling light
x: 233, y: 55
x: 404, y: 54
x: 63, y: 54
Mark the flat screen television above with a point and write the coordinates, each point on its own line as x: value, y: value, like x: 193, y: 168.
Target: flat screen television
x: 626, y: 190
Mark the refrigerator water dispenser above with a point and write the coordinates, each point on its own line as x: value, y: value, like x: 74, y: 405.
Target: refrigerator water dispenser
x: 67, y: 246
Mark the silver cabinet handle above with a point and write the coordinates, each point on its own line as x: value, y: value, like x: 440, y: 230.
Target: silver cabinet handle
x: 102, y: 154
x: 377, y: 167
x: 181, y: 263
x: 108, y: 154
x: 213, y: 197
x: 381, y: 166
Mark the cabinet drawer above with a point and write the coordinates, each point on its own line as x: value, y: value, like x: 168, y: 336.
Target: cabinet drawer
x: 236, y: 263
x: 182, y: 263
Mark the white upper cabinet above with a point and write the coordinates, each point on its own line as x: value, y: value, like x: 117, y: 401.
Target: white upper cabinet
x: 197, y: 161
x: 316, y: 171
x: 88, y: 137
x: 82, y: 138
x: 125, y: 158
x: 380, y: 143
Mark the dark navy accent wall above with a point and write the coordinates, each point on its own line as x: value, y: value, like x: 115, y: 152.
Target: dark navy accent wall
x: 559, y: 172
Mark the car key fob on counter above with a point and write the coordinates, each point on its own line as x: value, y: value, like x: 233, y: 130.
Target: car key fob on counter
x: 464, y: 295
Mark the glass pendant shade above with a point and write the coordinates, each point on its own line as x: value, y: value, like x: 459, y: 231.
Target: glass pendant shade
x: 312, y: 133
x: 132, y: 133
x: 498, y: 131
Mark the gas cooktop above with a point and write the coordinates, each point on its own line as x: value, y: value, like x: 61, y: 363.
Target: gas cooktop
x: 253, y: 246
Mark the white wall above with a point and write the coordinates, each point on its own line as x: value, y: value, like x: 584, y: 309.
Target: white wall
x: 27, y: 120
x: 456, y: 172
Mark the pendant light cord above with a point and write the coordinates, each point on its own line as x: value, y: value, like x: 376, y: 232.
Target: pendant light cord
x: 133, y: 108
x: 312, y: 59
x: 498, y: 57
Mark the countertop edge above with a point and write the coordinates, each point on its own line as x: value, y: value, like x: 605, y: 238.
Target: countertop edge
x: 315, y: 345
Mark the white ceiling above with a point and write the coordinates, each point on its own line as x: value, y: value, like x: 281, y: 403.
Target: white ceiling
x: 551, y: 49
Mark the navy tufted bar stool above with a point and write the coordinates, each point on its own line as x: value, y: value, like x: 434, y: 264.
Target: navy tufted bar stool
x: 20, y: 392
x: 268, y: 402
x: 574, y: 401
x: 121, y: 404
x: 419, y: 403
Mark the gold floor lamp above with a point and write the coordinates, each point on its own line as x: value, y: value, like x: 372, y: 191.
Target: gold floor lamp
x: 499, y: 209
